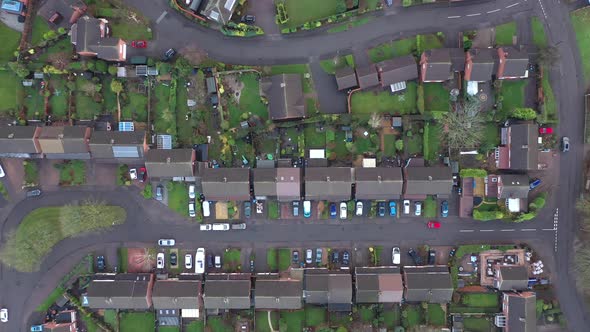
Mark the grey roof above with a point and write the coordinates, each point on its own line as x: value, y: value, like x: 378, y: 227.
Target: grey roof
x: 431, y: 284
x: 398, y: 69
x: 428, y: 181
x: 514, y: 186
x: 87, y: 38
x: 18, y: 139
x: 132, y: 293
x: 522, y: 314
x: 281, y: 183
x: 227, y: 293
x: 264, y: 181
x: 278, y: 294
x: 512, y: 277
x: 379, y: 285
x: 367, y: 76
x: 345, y: 78
x: 176, y: 294
x: 333, y: 289
x: 64, y: 139
x: 523, y: 146
x: 226, y: 184
x: 211, y: 85
x: 220, y: 11
x: 379, y: 183
x: 437, y: 66
x: 170, y: 163
x: 328, y: 183
x: 516, y: 62
x: 482, y: 64
x: 457, y: 59
x: 285, y: 96
x: 107, y: 144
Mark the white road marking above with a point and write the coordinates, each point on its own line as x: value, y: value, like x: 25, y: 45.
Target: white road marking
x: 544, y: 14
x: 476, y: 14
x: 161, y: 17
x: 528, y: 230
x: 466, y: 230
x: 549, y: 229
x: 493, y: 11
x: 453, y: 16
x: 507, y: 230
x: 512, y: 5
x: 486, y: 230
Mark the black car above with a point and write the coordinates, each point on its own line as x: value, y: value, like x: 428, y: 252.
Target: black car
x: 210, y: 261
x: 335, y: 256
x: 173, y: 259
x: 252, y: 266
x: 345, y: 258
x: 381, y: 209
x: 295, y: 257
x: 431, y: 256
x: 415, y: 257
x: 452, y: 252
x: 100, y: 263
x: 168, y: 55
x: 249, y: 19
x: 34, y: 193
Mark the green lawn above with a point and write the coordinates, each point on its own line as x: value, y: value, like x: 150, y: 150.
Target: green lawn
x: 273, y: 209
x: 331, y: 65
x: 90, y: 324
x: 363, y: 103
x: 10, y: 40
x: 430, y: 207
x: 392, y: 49
x: 217, y: 324
x: 9, y: 85
x: 436, y: 97
x: 262, y: 321
x: 72, y: 173
x: 86, y: 107
x: 168, y: 329
x: 58, y: 102
x: 178, y: 197
x: 413, y: 144
x: 314, y: 139
x: 491, y: 137
x: 513, y: 94
x: 366, y: 313
x: 184, y: 126
x: 250, y: 102
x: 539, y: 37
x: 231, y: 259
x: 109, y: 103
x: 581, y: 25
x: 137, y: 321
x: 549, y: 114
x: 284, y: 259
x: 315, y: 316
x: 432, y: 140
x: 428, y: 42
x: 475, y: 324
x: 504, y: 33
x: 136, y: 107
x: 389, y: 145
x: 122, y: 256
x: 43, y: 228
x: 413, y: 316
x: 53, y: 296
x: 164, y: 119
x: 272, y: 259
x: 63, y: 45
x: 392, y: 318
x: 110, y: 317
x: 436, y: 315
x: 33, y: 99
x: 40, y: 27
x: 481, y: 300
x: 293, y: 319
x: 301, y: 11
x: 196, y: 326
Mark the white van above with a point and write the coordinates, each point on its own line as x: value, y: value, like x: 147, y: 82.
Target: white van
x: 200, y: 261
x: 221, y: 227
x: 206, y: 209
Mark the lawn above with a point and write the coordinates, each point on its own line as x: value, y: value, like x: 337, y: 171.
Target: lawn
x: 428, y: 42
x: 436, y: 97
x: 432, y: 140
x: 136, y: 109
x: 58, y: 102
x: 250, y: 102
x: 513, y: 94
x: 90, y: 324
x: 195, y: 326
x: 302, y: 11
x: 63, y: 45
x: 122, y: 257
x: 412, y: 316
x: 481, y: 300
x: 178, y: 197
x: 549, y: 114
x: 349, y: 25
x: 217, y: 324
x: 72, y: 173
x: 167, y: 329
x: 51, y: 298
x: 43, y: 228
x: 40, y: 27
x: 413, y: 144
x: 86, y: 107
x: 293, y: 319
x: 581, y: 25
x: 110, y: 317
x: 9, y: 85
x: 475, y: 324
x: 430, y: 207
x: 364, y: 103
x: 331, y: 65
x: 539, y: 37
x: 262, y: 321
x: 313, y: 138
x: 272, y: 259
x: 412, y: 45
x: 110, y: 98
x: 184, y: 126
x: 284, y: 259
x: 137, y: 321
x: 164, y: 119
x: 315, y: 316
x: 504, y: 33
x: 391, y: 318
x: 491, y: 137
x: 436, y: 315
x: 10, y: 40
x: 33, y: 99
x: 231, y: 259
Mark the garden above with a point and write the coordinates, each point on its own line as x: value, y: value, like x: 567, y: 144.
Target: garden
x: 137, y: 321
x: 71, y: 173
x: 364, y: 103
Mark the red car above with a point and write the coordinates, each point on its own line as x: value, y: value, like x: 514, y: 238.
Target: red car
x: 545, y: 130
x: 434, y: 224
x: 139, y: 44
x: 142, y: 174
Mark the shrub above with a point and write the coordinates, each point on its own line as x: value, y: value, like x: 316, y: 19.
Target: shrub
x: 112, y: 70
x: 473, y: 173
x: 525, y: 216
x: 487, y: 215
x: 407, y: 3
x: 101, y: 67
x: 524, y: 114
x: 399, y: 145
x: 420, y: 99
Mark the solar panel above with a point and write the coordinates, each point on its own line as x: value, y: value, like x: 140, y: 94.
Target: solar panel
x: 126, y: 126
x: 164, y: 142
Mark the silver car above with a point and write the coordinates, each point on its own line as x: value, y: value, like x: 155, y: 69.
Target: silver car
x: 565, y: 144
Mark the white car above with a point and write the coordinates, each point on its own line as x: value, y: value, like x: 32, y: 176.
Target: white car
x: 4, y: 315
x: 2, y: 174
x: 188, y: 261
x: 191, y: 209
x: 166, y: 242
x: 206, y: 209
x: 160, y: 260
x: 191, y: 191
x: 359, y: 208
x: 418, y: 207
x: 395, y: 256
x: 133, y: 174
x: 343, y: 210
x: 221, y: 227
x: 406, y: 206
x: 200, y: 261
x: 205, y: 227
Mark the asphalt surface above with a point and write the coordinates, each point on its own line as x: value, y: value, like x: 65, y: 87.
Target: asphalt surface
x: 148, y: 220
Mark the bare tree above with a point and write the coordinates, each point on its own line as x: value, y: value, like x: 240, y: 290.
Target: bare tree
x: 375, y: 120
x: 463, y: 126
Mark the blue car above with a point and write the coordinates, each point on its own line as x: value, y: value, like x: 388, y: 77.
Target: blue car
x: 535, y: 184
x: 37, y: 328
x: 392, y: 209
x: 333, y: 210
x: 444, y: 209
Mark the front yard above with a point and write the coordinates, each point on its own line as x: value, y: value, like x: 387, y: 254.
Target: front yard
x: 363, y: 104
x: 302, y: 11
x: 504, y: 33
x: 178, y: 197
x: 413, y: 45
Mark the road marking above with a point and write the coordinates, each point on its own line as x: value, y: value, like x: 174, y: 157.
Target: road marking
x: 486, y: 230
x: 544, y: 14
x: 161, y: 17
x: 528, y: 230
x: 466, y: 230
x: 476, y: 14
x: 512, y: 5
x: 453, y: 16
x: 493, y: 11
x: 507, y: 230
x: 549, y: 229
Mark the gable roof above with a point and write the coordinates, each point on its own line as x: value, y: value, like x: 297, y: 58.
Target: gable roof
x: 328, y: 183
x: 398, y: 69
x: 522, y: 314
x: 512, y: 62
x: 226, y: 184
x: 510, y: 277
x: 64, y: 139
x: 19, y: 139
x: 523, y: 146
x: 117, y: 144
x: 428, y: 181
x: 379, y: 285
x: 90, y: 38
x: 513, y: 186
x: 285, y: 96
x: 436, y: 65
x: 227, y: 291
x: 280, y: 294
x: 480, y: 64
x: 282, y: 183
x: 345, y: 78
x: 177, y: 294
x: 431, y: 284
x: 367, y: 76
x: 124, y: 291
x: 332, y: 288
x: 170, y: 163
x: 378, y: 182
x: 220, y: 11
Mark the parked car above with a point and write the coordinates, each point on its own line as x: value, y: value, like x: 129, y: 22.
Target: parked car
x: 138, y: 44
x: 452, y: 252
x: 210, y: 261
x: 218, y: 262
x: 166, y: 242
x: 34, y: 193
x: 37, y: 328
x: 100, y: 263
x: 306, y: 209
x: 545, y: 130
x: 251, y: 266
x: 415, y: 257
x: 343, y: 210
x: 191, y: 191
x: 249, y: 19
x: 133, y: 174
x: 200, y: 261
x: 444, y: 209
x: 160, y: 260
x: 345, y: 258
x: 392, y: 209
x: 206, y: 208
x: 239, y: 226
x: 188, y: 261
x: 191, y: 209
x: 406, y: 206
x: 417, y: 208
x: 205, y: 227
x: 173, y: 258
x: 318, y: 255
x: 3, y: 315
x: 309, y: 256
x: 534, y: 184
x: 431, y: 256
x: 295, y: 208
x: 333, y: 212
x: 142, y: 174
x: 381, y: 209
x: 335, y: 256
x: 159, y: 192
x: 359, y: 208
x: 247, y: 209
x: 395, y: 256
x: 221, y: 227
x: 565, y: 144
x: 169, y: 54
x: 389, y: 3
x: 434, y: 224
x: 295, y: 257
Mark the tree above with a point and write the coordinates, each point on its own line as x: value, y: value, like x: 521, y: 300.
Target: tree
x: 463, y: 127
x: 375, y: 121
x: 183, y: 67
x: 548, y: 56
x: 101, y: 66
x: 341, y: 6
x: 224, y: 125
x: 112, y: 70
x: 524, y: 113
x: 117, y: 87
x: 19, y: 69
x: 399, y: 145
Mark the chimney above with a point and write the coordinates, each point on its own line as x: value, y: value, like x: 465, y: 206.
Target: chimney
x: 168, y: 160
x: 112, y: 141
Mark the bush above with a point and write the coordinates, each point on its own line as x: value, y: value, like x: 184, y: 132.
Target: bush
x: 473, y: 173
x: 487, y: 215
x: 101, y: 67
x: 407, y: 3
x: 525, y: 216
x: 524, y: 114
x: 420, y: 99
x: 399, y: 145
x: 147, y: 191
x: 112, y: 70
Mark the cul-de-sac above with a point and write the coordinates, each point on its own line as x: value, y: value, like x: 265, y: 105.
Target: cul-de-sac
x: 294, y: 165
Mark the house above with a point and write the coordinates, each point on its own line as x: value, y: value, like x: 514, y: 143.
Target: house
x: 430, y: 284
x: 227, y: 291
x: 519, y: 147
x: 345, y: 78
x: 514, y: 188
x: 70, y: 142
x: 273, y: 293
x: 457, y: 59
x: 285, y: 96
x: 62, y: 13
x: 328, y: 183
x: 511, y: 277
x: 518, y: 312
x: 324, y: 287
x: 91, y: 38
x: 379, y: 183
x: 479, y: 64
x: 220, y: 11
x: 435, y: 65
x: 283, y: 184
x: 226, y: 184
x: 118, y: 144
x: 168, y: 164
x: 512, y: 63
x: 397, y: 71
x: 183, y: 295
x: 367, y: 76
x: 64, y: 321
x: 378, y: 285
x: 122, y: 291
x: 424, y: 181
x: 19, y: 141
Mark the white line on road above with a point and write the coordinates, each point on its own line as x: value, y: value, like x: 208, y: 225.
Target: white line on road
x: 506, y: 230
x: 453, y: 16
x: 493, y: 11
x: 466, y: 230
x: 161, y: 17
x: 528, y: 230
x: 549, y: 229
x: 486, y: 230
x: 476, y: 14
x: 512, y: 5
